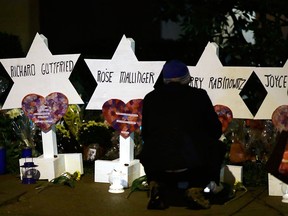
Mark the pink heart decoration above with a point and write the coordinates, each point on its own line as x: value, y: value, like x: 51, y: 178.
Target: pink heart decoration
x: 225, y: 115
x: 45, y: 112
x: 125, y: 118
x: 280, y: 118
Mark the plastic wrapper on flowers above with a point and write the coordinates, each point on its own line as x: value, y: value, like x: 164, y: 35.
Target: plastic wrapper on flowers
x: 67, y: 179
x: 249, y: 140
x: 24, y: 129
x: 260, y: 139
x: 17, y: 132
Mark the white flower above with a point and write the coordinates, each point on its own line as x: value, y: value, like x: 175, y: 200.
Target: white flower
x: 14, y: 113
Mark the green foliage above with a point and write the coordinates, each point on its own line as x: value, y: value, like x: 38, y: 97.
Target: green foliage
x: 6, y: 131
x: 210, y: 20
x: 9, y: 142
x: 67, y: 130
x: 79, y: 128
x: 16, y: 132
x: 95, y: 132
x: 139, y: 184
x: 72, y: 119
x: 65, y: 178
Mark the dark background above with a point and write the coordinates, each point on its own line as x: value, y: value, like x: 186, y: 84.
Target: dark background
x: 95, y: 28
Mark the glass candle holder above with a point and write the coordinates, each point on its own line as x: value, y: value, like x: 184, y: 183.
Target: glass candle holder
x: 29, y: 173
x: 115, y: 179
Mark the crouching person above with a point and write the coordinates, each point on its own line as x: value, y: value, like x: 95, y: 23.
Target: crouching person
x: 181, y: 146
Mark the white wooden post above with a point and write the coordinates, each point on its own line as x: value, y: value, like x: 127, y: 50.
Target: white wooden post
x: 126, y: 164
x: 126, y: 153
x: 49, y: 143
x: 49, y: 140
x: 51, y: 164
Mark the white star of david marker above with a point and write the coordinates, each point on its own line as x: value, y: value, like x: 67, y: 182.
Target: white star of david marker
x: 122, y: 77
x: 275, y: 81
x: 210, y: 70
x: 218, y: 81
x: 40, y: 73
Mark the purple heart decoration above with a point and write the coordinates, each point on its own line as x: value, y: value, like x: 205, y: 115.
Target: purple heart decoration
x: 125, y: 118
x: 45, y: 112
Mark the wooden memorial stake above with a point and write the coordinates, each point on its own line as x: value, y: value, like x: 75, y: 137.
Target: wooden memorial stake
x: 51, y: 164
x: 126, y: 153
x: 129, y: 165
x: 126, y: 163
x: 49, y: 143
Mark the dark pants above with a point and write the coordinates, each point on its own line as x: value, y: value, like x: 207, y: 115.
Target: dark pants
x: 194, y: 177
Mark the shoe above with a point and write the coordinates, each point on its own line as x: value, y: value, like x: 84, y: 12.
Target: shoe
x: 196, y: 199
x: 156, y: 200
x: 223, y: 196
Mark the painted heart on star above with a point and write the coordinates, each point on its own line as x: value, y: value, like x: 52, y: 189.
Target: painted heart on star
x: 45, y: 112
x: 225, y: 115
x: 125, y: 118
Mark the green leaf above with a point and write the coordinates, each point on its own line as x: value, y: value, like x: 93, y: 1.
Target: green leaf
x: 139, y: 184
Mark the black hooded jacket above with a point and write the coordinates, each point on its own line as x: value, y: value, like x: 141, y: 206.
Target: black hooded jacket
x: 180, y: 128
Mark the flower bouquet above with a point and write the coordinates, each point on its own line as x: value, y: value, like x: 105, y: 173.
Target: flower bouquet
x: 65, y: 178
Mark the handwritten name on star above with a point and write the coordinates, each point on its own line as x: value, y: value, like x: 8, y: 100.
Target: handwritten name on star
x: 278, y: 81
x: 271, y: 81
x: 218, y: 82
x: 125, y: 77
x: 44, y: 68
x: 226, y: 83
